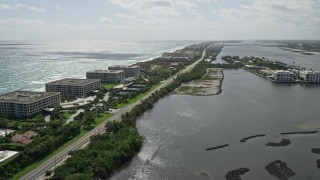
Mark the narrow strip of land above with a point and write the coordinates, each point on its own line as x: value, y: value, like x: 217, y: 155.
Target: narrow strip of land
x: 251, y: 137
x: 217, y: 147
x: 299, y: 132
x: 34, y: 174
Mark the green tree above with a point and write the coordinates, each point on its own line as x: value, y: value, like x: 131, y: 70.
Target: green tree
x: 3, y: 122
x: 78, y: 176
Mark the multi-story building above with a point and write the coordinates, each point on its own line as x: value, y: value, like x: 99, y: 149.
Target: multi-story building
x: 107, y: 76
x: 310, y: 76
x: 187, y: 55
x: 27, y: 103
x: 177, y: 54
x: 190, y: 54
x: 130, y: 71
x: 282, y: 76
x: 73, y: 88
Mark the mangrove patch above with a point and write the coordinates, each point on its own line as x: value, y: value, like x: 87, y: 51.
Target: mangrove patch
x: 235, y: 174
x: 251, y: 137
x: 280, y: 170
x: 300, y: 132
x: 217, y: 147
x: 283, y: 142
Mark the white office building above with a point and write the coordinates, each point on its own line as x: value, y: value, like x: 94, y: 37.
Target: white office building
x: 107, y: 76
x: 310, y: 76
x: 73, y: 88
x: 130, y: 71
x: 282, y: 76
x: 27, y: 103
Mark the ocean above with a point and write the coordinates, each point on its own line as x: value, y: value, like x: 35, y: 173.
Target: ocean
x: 29, y: 65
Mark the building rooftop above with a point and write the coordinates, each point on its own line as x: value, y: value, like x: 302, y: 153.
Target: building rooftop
x: 309, y: 72
x: 73, y: 82
x: 25, y: 97
x: 283, y: 71
x: 106, y: 71
x: 125, y: 66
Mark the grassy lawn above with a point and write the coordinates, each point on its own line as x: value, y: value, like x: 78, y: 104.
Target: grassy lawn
x: 67, y: 115
x: 137, y: 98
x: 99, y: 120
x: 109, y: 86
x: 102, y: 118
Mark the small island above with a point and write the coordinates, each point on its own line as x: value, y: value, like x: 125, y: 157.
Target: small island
x: 299, y: 132
x: 280, y: 170
x: 235, y: 174
x: 217, y: 147
x: 283, y: 142
x: 251, y: 137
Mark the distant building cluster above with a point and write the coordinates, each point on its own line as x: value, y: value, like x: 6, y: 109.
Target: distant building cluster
x: 28, y: 103
x: 179, y: 55
x: 288, y: 75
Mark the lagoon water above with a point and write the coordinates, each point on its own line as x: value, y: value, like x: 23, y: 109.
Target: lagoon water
x: 179, y: 128
x: 29, y: 65
x: 272, y: 52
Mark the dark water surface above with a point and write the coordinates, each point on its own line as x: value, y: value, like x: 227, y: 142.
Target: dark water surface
x: 179, y: 128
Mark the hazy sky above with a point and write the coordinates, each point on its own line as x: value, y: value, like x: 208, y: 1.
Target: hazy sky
x: 159, y: 19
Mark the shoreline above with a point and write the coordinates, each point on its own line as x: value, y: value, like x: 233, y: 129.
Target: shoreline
x: 41, y: 87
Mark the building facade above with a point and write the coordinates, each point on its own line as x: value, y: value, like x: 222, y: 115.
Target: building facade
x: 27, y: 103
x: 310, y: 76
x: 73, y: 88
x: 107, y: 76
x: 130, y: 71
x: 282, y: 76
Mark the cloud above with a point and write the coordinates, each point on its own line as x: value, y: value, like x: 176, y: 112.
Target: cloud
x: 124, y: 16
x: 105, y: 20
x: 147, y: 8
x: 58, y: 7
x: 275, y: 11
x: 20, y: 6
x: 21, y: 22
